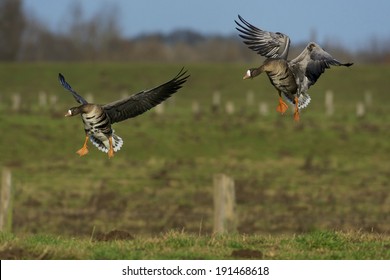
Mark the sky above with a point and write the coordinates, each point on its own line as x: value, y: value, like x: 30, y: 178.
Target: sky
x: 349, y: 23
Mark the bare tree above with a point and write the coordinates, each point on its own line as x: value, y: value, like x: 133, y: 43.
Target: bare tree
x: 95, y: 37
x: 12, y: 23
x: 99, y: 37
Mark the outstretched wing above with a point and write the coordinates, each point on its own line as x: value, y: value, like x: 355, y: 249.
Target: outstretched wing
x: 139, y: 103
x: 65, y: 84
x: 268, y: 44
x: 311, y: 63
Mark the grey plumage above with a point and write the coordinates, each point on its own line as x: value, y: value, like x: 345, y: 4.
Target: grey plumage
x: 310, y: 64
x: 303, y: 71
x: 265, y: 43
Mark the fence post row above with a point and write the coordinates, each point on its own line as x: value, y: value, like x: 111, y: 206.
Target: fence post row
x: 360, y: 110
x: 329, y: 105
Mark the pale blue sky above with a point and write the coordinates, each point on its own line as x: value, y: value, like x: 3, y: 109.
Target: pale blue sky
x: 349, y: 23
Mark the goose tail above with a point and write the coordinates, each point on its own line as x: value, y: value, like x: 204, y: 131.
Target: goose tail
x: 117, y: 143
x: 303, y: 100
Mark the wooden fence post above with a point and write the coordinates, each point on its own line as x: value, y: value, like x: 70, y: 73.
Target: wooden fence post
x: 216, y: 102
x: 171, y: 101
x: 195, y: 108
x: 263, y: 108
x: 53, y: 100
x: 159, y: 109
x: 6, y: 201
x: 224, y: 204
x: 42, y: 99
x: 16, y: 102
x: 368, y: 98
x: 329, y: 106
x: 229, y: 108
x: 360, y: 110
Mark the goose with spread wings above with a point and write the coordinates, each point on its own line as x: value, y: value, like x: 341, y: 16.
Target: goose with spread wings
x: 291, y: 78
x: 98, y: 119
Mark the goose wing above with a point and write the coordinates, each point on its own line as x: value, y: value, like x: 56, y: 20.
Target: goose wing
x: 268, y: 44
x: 139, y: 103
x: 67, y: 86
x: 311, y: 63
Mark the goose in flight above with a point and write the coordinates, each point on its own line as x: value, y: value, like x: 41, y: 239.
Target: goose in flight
x: 291, y: 78
x: 98, y: 119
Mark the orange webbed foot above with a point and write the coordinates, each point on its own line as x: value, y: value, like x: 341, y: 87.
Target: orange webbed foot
x: 296, y: 116
x: 282, y: 106
x: 84, y: 150
x: 296, y: 111
x: 111, y: 150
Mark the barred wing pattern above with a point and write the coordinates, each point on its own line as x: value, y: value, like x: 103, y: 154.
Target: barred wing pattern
x: 268, y: 44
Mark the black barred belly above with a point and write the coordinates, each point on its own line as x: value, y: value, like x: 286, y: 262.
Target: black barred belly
x: 97, y: 123
x: 283, y: 81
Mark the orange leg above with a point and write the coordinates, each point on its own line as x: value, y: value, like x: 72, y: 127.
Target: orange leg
x: 84, y: 150
x: 111, y: 150
x: 282, y: 106
x: 296, y: 112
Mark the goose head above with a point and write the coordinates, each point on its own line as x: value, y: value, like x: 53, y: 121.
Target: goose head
x: 73, y: 111
x: 251, y: 73
x: 311, y: 46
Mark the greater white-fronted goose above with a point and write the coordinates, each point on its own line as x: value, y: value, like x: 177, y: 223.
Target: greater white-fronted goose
x: 291, y: 78
x: 98, y: 119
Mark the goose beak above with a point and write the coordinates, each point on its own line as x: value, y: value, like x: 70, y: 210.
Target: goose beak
x: 68, y: 114
x: 247, y: 75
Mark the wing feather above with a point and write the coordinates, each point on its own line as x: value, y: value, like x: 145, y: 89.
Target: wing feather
x: 141, y: 102
x: 265, y: 43
x: 67, y: 86
x: 311, y: 63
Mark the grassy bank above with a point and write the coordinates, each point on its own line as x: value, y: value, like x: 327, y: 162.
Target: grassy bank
x: 320, y: 245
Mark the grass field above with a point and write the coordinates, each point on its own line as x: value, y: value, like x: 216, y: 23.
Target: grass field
x: 321, y: 245
x: 325, y: 178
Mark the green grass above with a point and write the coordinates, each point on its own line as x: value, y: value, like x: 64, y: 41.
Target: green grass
x: 320, y: 245
x: 296, y: 184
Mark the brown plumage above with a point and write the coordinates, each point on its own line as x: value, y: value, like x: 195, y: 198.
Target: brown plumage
x: 98, y: 119
x: 281, y: 77
x: 293, y: 78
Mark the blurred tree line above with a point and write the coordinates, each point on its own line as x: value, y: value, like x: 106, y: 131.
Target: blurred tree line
x: 24, y: 37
